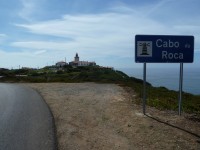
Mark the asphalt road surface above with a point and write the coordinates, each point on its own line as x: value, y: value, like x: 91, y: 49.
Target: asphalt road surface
x: 25, y: 120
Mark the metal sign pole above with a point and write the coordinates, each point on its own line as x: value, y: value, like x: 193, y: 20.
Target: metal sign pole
x: 180, y: 88
x: 164, y: 49
x: 144, y: 89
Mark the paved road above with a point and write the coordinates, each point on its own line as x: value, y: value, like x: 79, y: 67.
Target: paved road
x: 25, y: 120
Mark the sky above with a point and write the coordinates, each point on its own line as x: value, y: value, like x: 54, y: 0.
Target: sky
x: 37, y: 33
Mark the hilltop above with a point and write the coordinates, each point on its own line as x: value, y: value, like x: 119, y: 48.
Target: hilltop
x: 158, y: 97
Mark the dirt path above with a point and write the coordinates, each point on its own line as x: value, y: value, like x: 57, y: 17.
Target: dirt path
x: 101, y: 116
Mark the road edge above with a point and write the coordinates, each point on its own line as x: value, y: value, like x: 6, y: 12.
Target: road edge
x: 55, y: 140
x: 53, y: 121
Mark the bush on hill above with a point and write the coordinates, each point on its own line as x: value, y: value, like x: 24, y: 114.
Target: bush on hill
x: 159, y: 97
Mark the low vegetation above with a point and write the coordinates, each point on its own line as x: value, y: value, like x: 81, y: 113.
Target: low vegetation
x: 159, y: 97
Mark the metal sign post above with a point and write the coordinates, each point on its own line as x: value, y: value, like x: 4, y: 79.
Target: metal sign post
x: 164, y: 49
x: 180, y: 88
x: 144, y: 89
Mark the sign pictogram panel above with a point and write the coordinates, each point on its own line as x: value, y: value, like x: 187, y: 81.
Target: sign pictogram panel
x: 144, y: 48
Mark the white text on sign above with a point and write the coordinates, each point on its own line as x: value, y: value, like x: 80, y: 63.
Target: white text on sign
x: 169, y: 43
x: 166, y: 55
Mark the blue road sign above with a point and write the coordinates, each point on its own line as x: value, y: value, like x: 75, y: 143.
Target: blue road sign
x: 164, y: 49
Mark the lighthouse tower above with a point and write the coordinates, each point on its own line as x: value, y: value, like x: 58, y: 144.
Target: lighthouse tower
x: 76, y: 58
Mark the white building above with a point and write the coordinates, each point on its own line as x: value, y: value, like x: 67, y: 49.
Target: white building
x: 61, y: 64
x: 76, y: 62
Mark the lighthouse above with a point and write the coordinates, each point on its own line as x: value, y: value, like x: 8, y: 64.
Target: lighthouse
x: 76, y: 58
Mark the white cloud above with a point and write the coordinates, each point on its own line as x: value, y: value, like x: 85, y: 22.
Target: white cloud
x: 3, y: 35
x: 14, y: 59
x: 40, y: 52
x: 106, y: 33
x: 38, y: 45
x: 100, y: 35
x: 30, y: 9
x: 27, y: 9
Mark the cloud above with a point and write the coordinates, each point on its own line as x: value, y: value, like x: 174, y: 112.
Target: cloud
x: 38, y: 45
x: 107, y: 34
x: 94, y: 25
x: 14, y: 59
x: 152, y: 8
x: 30, y: 9
x: 3, y: 35
x: 40, y: 52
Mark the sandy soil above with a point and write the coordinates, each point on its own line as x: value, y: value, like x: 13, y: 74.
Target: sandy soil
x: 103, y: 117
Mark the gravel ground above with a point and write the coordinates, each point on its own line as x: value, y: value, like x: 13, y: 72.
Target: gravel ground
x: 103, y: 116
